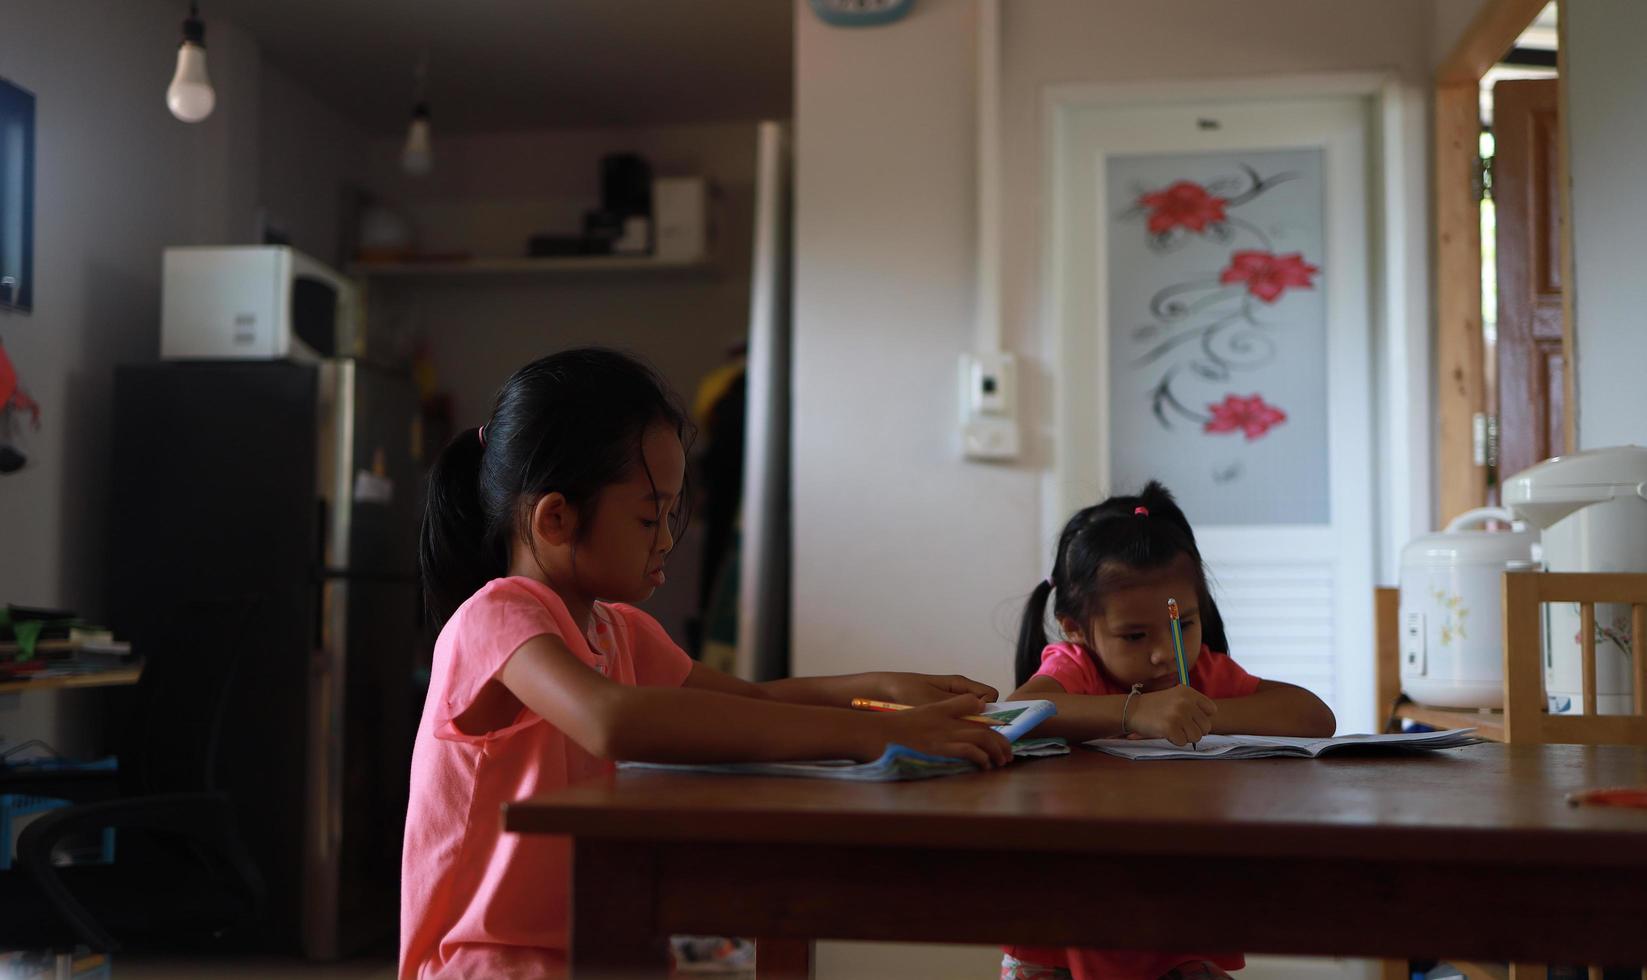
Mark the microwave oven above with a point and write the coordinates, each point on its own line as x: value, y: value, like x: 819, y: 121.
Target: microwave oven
x: 256, y: 302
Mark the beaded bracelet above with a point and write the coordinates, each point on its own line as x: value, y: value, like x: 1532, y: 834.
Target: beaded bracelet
x: 1136, y: 689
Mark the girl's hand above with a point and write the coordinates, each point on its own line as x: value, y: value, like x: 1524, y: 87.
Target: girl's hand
x: 1179, y: 714
x: 926, y: 688
x: 938, y: 729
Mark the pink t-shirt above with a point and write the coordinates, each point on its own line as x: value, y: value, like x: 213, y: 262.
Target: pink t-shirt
x: 476, y: 902
x: 1077, y: 671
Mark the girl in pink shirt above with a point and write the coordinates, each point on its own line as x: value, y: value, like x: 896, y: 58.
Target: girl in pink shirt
x: 541, y: 526
x: 1115, y: 674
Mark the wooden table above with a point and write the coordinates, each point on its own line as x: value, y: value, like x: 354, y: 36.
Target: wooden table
x: 1469, y: 853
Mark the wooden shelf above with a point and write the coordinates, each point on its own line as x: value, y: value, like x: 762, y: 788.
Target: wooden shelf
x: 1488, y: 724
x: 112, y: 677
x: 550, y: 266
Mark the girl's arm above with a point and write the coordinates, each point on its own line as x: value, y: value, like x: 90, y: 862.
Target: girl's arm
x: 1275, y: 709
x: 839, y: 691
x: 1179, y: 714
x: 661, y: 724
x: 1182, y: 715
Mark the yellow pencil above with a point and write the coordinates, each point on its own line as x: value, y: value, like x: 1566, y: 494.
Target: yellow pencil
x: 867, y: 705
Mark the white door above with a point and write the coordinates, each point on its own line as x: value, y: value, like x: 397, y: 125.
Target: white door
x: 1208, y: 294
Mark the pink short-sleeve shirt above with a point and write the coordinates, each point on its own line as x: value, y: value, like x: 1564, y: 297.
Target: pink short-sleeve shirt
x: 1076, y: 670
x: 476, y: 902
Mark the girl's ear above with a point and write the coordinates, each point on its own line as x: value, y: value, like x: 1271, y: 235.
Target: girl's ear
x: 1072, y: 631
x: 554, y: 521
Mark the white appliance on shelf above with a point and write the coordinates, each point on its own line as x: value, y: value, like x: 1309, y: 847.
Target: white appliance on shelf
x: 1592, y: 507
x: 1452, y: 622
x: 254, y: 302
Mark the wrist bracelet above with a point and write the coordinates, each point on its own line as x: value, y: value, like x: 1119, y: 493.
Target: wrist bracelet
x: 1125, y: 705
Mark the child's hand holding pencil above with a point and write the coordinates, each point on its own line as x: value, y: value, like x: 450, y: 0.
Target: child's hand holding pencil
x: 1181, y: 715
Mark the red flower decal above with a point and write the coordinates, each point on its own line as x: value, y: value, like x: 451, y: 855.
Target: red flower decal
x: 1268, y: 275
x: 1252, y: 415
x: 1184, y: 203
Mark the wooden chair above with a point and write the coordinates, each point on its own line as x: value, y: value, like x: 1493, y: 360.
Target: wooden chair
x: 1524, y: 718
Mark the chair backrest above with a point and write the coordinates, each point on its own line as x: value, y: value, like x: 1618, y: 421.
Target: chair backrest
x: 175, y: 729
x: 1525, y: 716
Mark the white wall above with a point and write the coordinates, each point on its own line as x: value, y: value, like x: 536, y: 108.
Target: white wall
x: 489, y: 193
x: 906, y: 556
x: 116, y: 178
x: 1607, y: 126
x: 309, y: 154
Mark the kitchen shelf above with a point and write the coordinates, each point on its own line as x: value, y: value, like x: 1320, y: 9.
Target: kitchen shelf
x: 548, y: 266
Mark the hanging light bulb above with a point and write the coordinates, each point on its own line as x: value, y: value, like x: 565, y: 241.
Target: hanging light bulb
x: 190, y: 96
x: 417, y: 156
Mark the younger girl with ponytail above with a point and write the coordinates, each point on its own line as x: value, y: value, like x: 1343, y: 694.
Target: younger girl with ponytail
x: 1115, y: 674
x: 540, y: 527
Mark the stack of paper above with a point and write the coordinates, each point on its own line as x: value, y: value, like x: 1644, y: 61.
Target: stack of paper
x: 1273, y: 746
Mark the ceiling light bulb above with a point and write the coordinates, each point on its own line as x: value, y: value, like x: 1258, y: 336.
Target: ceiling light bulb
x: 190, y: 96
x: 417, y: 156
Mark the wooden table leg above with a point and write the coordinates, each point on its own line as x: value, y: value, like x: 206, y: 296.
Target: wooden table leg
x: 614, y: 913
x: 783, y: 959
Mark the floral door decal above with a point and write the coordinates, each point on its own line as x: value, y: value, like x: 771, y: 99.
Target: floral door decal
x: 1217, y: 340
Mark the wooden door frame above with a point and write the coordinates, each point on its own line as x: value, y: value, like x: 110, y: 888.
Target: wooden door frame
x: 1460, y: 363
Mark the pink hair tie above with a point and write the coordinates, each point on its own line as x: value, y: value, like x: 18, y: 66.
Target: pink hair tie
x: 1140, y: 512
x: 482, y: 435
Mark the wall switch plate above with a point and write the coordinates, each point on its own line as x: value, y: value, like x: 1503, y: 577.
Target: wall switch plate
x: 988, y: 381
x: 989, y: 422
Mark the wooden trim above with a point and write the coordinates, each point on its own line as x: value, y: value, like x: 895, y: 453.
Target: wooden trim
x: 783, y: 959
x: 1569, y: 285
x: 1587, y: 654
x: 1460, y: 356
x: 1387, y: 637
x: 1523, y: 660
x: 1488, y: 724
x: 1492, y: 33
x: 1638, y: 656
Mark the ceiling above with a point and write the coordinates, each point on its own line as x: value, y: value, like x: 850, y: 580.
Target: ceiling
x: 529, y: 64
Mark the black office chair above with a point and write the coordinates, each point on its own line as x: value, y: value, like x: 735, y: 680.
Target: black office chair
x: 181, y: 876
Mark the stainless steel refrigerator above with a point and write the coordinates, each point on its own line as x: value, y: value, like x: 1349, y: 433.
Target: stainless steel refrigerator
x: 296, y: 490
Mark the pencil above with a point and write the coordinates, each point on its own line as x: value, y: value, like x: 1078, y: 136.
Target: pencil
x: 1177, y: 641
x: 1178, y: 649
x: 868, y: 705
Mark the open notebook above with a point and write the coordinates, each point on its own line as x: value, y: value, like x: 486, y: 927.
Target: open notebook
x: 1275, y: 746
x: 897, y: 762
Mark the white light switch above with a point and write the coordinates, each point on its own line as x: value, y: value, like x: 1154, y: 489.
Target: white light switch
x: 989, y: 423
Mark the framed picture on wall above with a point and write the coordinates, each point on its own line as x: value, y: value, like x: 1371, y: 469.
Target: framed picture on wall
x: 16, y: 197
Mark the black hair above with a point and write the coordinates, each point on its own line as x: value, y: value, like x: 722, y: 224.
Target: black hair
x: 569, y: 423
x: 1101, y: 547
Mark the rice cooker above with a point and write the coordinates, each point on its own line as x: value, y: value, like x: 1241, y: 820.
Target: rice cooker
x: 1592, y: 509
x: 1452, y: 609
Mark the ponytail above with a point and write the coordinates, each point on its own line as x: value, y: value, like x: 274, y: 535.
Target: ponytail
x: 456, y: 552
x: 1032, y: 634
x: 570, y: 423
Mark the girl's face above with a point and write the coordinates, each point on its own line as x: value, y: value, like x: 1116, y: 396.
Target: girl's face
x: 1131, y: 634
x: 621, y: 558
